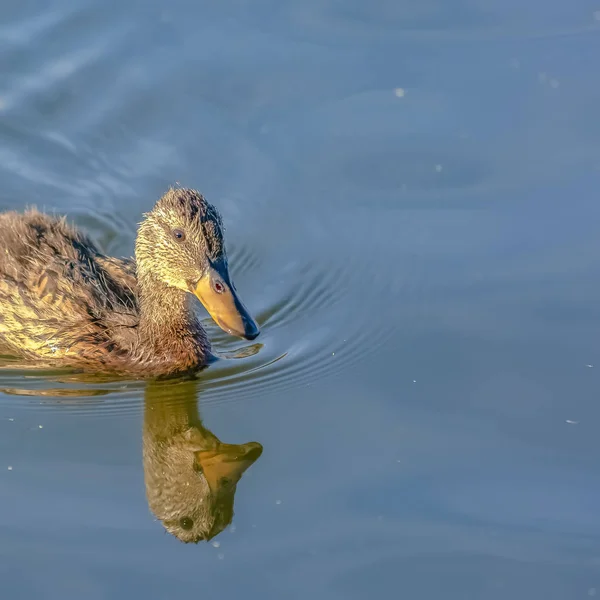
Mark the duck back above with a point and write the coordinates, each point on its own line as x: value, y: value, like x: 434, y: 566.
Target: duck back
x: 60, y: 298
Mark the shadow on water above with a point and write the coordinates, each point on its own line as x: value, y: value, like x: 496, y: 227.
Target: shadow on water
x: 190, y: 475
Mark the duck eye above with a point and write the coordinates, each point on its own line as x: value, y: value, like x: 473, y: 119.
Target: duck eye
x: 179, y: 234
x: 186, y: 523
x: 219, y: 287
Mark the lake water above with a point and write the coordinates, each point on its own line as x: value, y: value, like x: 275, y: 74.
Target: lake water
x: 410, y: 192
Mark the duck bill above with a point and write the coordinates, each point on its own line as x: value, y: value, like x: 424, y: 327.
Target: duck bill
x: 217, y: 294
x: 224, y: 467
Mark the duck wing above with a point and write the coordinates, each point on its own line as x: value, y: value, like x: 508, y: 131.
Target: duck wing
x: 59, y: 297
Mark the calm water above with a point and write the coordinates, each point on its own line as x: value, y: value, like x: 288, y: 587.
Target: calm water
x: 411, y: 198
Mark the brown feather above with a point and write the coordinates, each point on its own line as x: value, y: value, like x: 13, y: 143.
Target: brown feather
x: 62, y: 300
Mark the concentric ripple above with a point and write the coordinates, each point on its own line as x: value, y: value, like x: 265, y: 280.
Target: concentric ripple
x: 308, y: 332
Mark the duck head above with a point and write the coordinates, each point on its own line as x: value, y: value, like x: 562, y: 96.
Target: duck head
x: 180, y: 245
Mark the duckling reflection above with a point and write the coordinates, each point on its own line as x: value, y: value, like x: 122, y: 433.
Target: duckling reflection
x: 190, y: 475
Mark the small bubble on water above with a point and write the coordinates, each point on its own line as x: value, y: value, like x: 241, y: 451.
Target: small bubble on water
x: 277, y: 501
x: 232, y: 529
x: 220, y: 556
x: 40, y: 427
x: 438, y: 168
x: 588, y: 366
x: 399, y: 92
x: 572, y: 422
x: 10, y: 467
x: 216, y: 544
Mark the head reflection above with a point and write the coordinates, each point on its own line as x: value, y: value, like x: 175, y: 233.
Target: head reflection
x: 190, y: 475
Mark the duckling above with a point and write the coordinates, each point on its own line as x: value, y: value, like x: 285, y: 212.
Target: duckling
x: 190, y: 475
x: 65, y: 303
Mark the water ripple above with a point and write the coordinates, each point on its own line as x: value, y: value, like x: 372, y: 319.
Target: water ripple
x: 308, y: 332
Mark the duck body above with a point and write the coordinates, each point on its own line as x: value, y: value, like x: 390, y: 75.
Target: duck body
x: 64, y: 302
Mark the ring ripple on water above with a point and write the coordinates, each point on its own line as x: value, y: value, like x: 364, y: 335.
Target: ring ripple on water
x: 312, y: 304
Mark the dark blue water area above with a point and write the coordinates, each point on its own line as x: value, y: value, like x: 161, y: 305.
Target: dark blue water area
x: 410, y: 199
